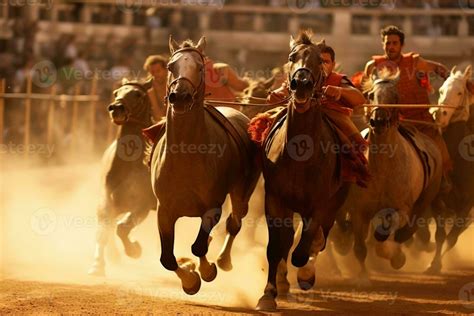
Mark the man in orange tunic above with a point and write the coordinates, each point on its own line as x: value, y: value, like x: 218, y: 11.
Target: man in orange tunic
x: 413, y: 86
x: 222, y: 82
x: 340, y: 97
x: 155, y: 65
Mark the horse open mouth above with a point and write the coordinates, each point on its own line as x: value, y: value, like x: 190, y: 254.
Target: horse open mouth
x: 301, y: 105
x: 119, y: 116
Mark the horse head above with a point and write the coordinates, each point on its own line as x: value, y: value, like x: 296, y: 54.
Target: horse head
x: 259, y: 88
x: 131, y: 103
x: 186, y: 81
x: 454, y: 93
x: 306, y: 75
x: 382, y: 89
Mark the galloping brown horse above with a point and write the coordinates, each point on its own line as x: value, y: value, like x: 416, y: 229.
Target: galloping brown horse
x: 300, y: 176
x: 126, y: 180
x: 197, y: 163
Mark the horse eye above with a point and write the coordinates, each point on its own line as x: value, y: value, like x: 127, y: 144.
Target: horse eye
x: 445, y: 112
x: 460, y: 93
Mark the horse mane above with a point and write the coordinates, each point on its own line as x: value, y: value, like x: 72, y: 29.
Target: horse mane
x: 304, y: 37
x: 187, y: 43
x: 384, y: 74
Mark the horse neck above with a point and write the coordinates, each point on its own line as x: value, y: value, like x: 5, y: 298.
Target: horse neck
x: 391, y: 138
x: 131, y: 135
x: 143, y: 114
x: 308, y: 124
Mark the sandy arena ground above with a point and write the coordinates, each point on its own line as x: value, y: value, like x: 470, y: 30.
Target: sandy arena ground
x: 47, y: 243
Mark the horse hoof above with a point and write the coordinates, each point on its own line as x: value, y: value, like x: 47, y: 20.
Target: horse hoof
x: 363, y: 280
x: 434, y: 269
x: 266, y: 303
x: 97, y: 271
x: 224, y: 265
x: 306, y: 285
x: 212, y: 275
x: 196, y: 286
x: 134, y: 250
x: 380, y: 234
x: 398, y: 261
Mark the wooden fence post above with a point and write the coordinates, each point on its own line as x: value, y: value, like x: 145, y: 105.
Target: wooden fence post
x: 75, y: 109
x: 51, y: 112
x: 2, y: 109
x: 92, y: 111
x: 27, y: 140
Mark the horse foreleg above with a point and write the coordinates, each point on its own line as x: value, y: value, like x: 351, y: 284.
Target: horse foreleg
x: 125, y: 225
x: 361, y: 230
x: 440, y: 237
x: 233, y: 225
x: 104, y: 231
x: 279, y: 244
x: 302, y: 252
x: 460, y: 224
x: 201, y: 245
x: 190, y: 280
x: 306, y: 275
x: 286, y: 236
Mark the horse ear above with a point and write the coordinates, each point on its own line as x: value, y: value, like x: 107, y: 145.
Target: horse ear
x: 321, y: 43
x: 148, y: 84
x: 173, y: 45
x: 468, y: 72
x: 124, y: 81
x: 292, y: 42
x: 453, y: 70
x: 201, y: 45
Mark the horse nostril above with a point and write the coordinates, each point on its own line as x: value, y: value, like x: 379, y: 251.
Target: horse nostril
x: 110, y: 108
x: 172, y: 97
x: 372, y: 122
x: 293, y: 84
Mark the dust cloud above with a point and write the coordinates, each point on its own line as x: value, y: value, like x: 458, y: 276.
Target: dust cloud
x: 48, y: 234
